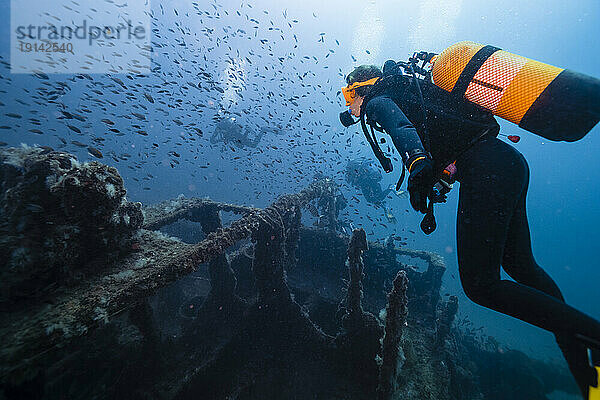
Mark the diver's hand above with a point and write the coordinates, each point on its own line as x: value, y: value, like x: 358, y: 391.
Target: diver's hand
x: 420, y: 184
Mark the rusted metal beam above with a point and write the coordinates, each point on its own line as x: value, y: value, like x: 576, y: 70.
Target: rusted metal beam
x: 169, y: 211
x: 30, y: 334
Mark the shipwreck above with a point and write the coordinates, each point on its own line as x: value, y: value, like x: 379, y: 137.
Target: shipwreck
x: 98, y: 299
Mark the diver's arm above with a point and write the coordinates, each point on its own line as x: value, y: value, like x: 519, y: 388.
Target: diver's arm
x: 384, y: 111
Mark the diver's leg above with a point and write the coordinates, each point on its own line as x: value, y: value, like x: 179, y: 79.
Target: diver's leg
x: 490, y: 192
x: 518, y: 260
x: 576, y: 355
x: 519, y: 263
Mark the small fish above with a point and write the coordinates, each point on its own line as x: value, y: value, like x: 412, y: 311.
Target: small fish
x: 79, y: 144
x: 401, y: 193
x: 47, y: 149
x: 79, y: 117
x: 95, y: 152
x: 74, y: 128
x: 390, y: 217
x: 13, y: 115
x: 148, y: 97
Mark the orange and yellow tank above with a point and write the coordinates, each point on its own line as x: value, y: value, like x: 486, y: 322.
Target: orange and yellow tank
x: 552, y: 102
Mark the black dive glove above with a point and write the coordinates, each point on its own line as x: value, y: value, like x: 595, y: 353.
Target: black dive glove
x: 420, y: 183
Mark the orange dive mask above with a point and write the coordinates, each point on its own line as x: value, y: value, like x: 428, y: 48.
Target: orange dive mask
x: 350, y: 90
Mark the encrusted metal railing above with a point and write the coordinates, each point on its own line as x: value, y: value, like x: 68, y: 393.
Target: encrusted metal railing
x: 155, y: 262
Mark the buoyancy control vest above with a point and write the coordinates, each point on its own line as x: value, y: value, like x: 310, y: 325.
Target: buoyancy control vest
x: 447, y: 125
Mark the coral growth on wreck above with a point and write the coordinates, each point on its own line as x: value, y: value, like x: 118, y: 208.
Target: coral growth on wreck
x: 57, y: 215
x: 261, y: 308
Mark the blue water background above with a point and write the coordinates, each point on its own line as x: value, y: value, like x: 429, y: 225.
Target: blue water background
x: 564, y: 213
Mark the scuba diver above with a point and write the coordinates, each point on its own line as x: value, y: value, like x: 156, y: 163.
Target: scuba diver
x: 443, y: 135
x: 361, y: 175
x: 229, y: 131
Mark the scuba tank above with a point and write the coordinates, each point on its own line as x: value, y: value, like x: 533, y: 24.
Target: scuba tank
x: 555, y: 103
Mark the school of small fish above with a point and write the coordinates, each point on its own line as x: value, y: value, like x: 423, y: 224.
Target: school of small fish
x: 279, y: 72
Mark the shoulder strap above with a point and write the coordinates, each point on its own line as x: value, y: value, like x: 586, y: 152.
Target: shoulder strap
x: 385, y: 162
x: 426, y: 143
x: 380, y: 86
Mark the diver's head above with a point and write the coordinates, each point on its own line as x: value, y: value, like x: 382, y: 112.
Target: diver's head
x: 359, y: 83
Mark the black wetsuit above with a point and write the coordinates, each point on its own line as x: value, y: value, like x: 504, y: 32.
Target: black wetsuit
x: 492, y: 228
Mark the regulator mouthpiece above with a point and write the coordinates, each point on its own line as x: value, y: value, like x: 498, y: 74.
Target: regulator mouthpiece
x: 346, y: 119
